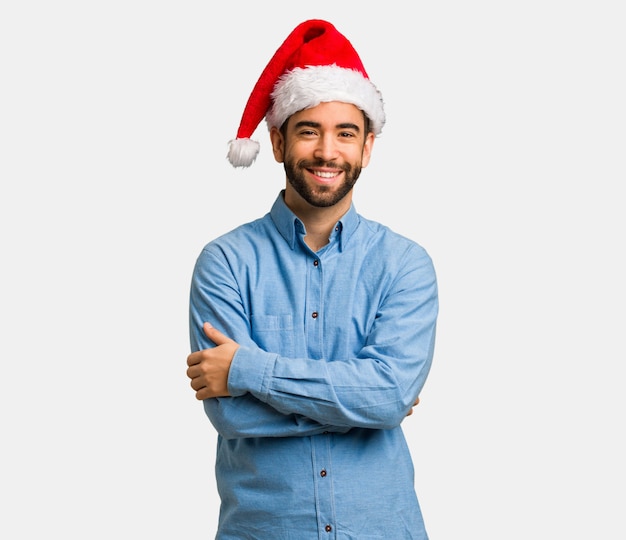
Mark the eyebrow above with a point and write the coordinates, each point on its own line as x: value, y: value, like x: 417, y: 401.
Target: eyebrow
x: 345, y: 125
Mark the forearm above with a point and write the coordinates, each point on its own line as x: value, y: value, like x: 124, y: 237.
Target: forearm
x: 246, y: 416
x: 358, y: 392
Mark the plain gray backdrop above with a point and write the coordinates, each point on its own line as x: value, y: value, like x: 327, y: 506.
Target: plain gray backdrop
x: 503, y: 155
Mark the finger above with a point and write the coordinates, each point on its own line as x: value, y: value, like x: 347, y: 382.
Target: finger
x: 194, y: 358
x: 197, y: 384
x: 194, y: 372
x: 215, y: 335
x: 207, y: 328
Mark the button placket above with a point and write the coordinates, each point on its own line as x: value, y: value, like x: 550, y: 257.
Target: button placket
x: 316, y: 263
x: 322, y: 468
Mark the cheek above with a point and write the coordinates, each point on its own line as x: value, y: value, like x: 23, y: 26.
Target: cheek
x: 294, y: 152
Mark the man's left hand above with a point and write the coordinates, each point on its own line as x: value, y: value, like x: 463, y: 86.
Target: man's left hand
x: 208, y: 369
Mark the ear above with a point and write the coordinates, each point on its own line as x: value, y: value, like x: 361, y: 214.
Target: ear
x: 367, y: 149
x: 278, y: 144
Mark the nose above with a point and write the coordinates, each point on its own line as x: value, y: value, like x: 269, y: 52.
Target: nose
x: 326, y: 148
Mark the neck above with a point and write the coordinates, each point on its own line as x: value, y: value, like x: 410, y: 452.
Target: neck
x: 318, y: 222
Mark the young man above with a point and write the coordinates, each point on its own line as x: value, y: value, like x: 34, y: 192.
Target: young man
x: 312, y: 327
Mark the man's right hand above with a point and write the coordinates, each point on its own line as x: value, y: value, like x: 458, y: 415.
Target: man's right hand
x: 414, y: 405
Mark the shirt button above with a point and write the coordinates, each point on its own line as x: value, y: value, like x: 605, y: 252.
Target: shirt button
x: 316, y: 262
x: 323, y: 473
x: 328, y: 528
x: 314, y: 314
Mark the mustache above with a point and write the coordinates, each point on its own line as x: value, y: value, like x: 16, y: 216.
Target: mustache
x: 320, y: 164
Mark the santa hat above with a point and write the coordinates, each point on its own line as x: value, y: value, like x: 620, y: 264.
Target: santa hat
x: 315, y: 64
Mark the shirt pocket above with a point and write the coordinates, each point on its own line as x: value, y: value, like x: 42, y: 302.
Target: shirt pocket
x: 274, y: 333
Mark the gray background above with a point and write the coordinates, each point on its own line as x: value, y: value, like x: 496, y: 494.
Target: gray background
x: 503, y: 155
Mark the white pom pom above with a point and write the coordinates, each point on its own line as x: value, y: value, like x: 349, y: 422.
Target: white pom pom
x: 243, y: 152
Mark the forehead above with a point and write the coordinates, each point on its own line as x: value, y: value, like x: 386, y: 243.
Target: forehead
x: 331, y: 113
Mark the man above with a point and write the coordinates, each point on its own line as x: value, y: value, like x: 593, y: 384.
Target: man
x: 312, y: 327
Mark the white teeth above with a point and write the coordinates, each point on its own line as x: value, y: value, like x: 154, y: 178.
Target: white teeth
x: 326, y: 174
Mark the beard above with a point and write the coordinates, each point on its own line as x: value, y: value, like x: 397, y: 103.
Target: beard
x: 320, y: 196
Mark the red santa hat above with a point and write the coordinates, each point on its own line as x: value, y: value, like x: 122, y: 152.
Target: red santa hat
x: 315, y: 64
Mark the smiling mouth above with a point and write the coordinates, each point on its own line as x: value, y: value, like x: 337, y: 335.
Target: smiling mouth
x: 328, y: 175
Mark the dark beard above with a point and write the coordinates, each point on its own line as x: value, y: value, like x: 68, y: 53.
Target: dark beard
x: 320, y: 196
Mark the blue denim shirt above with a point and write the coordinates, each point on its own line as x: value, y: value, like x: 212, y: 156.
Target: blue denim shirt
x: 335, y: 345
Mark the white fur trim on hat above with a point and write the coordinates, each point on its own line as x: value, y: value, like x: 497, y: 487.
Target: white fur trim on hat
x: 303, y: 88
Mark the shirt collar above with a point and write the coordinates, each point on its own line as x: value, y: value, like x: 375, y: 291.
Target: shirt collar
x: 290, y: 226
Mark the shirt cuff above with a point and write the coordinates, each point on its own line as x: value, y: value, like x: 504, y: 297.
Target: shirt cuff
x: 250, y: 371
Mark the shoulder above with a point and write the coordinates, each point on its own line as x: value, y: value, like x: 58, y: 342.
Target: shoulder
x: 382, y: 239
x: 241, y: 238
